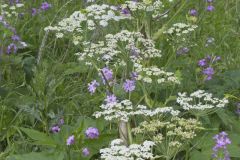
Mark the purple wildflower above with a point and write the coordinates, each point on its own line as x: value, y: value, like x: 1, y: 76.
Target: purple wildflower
x: 129, y: 85
x: 215, y: 59
x: 210, y: 8
x: 92, y: 133
x: 202, y: 62
x: 125, y: 11
x: 209, y: 1
x: 221, y: 141
x: 193, y: 12
x: 15, y: 38
x: 34, y: 11
x: 45, y: 6
x: 111, y: 99
x: 93, y: 86
x: 134, y: 75
x: 70, y: 140
x: 61, y: 121
x: 55, y: 129
x: 85, y: 152
x: 107, y: 74
x: 208, y: 72
x: 12, y: 48
x: 218, y: 58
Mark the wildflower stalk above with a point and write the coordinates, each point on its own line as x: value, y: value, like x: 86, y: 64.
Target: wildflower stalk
x: 40, y: 52
x: 68, y: 154
x: 129, y: 133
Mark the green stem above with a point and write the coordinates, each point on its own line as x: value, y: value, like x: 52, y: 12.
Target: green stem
x: 68, y: 154
x: 130, y: 139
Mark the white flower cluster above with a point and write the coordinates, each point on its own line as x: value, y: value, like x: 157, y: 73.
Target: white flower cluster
x: 11, y: 10
x: 120, y: 48
x: 149, y: 74
x: 118, y: 151
x: 93, y: 16
x: 155, y: 6
x: 200, y: 100
x: 181, y: 29
x: 124, y: 110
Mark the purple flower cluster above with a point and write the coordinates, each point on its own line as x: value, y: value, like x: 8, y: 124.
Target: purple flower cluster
x: 85, y: 152
x: 44, y: 7
x: 16, y: 40
x: 129, y: 85
x: 125, y: 11
x: 134, y: 75
x: 56, y: 128
x: 12, y: 48
x: 93, y: 86
x: 106, y: 74
x: 206, y: 63
x: 70, y: 140
x: 193, y: 12
x: 111, y: 99
x: 221, y: 142
x: 92, y: 133
x: 210, y: 6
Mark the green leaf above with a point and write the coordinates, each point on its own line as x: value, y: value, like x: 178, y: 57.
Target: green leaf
x: 76, y: 68
x: 234, y: 151
x: 38, y: 156
x: 41, y: 138
x: 195, y: 155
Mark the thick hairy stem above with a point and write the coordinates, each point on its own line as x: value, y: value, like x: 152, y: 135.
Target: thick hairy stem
x: 40, y: 52
x: 123, y: 131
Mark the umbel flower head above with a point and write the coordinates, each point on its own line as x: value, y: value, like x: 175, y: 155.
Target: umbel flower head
x: 80, y: 21
x: 200, y: 100
x: 119, y: 151
x: 137, y: 48
x: 123, y: 110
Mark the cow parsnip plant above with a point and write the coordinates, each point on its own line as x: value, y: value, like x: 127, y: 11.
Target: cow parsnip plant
x: 119, y: 80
